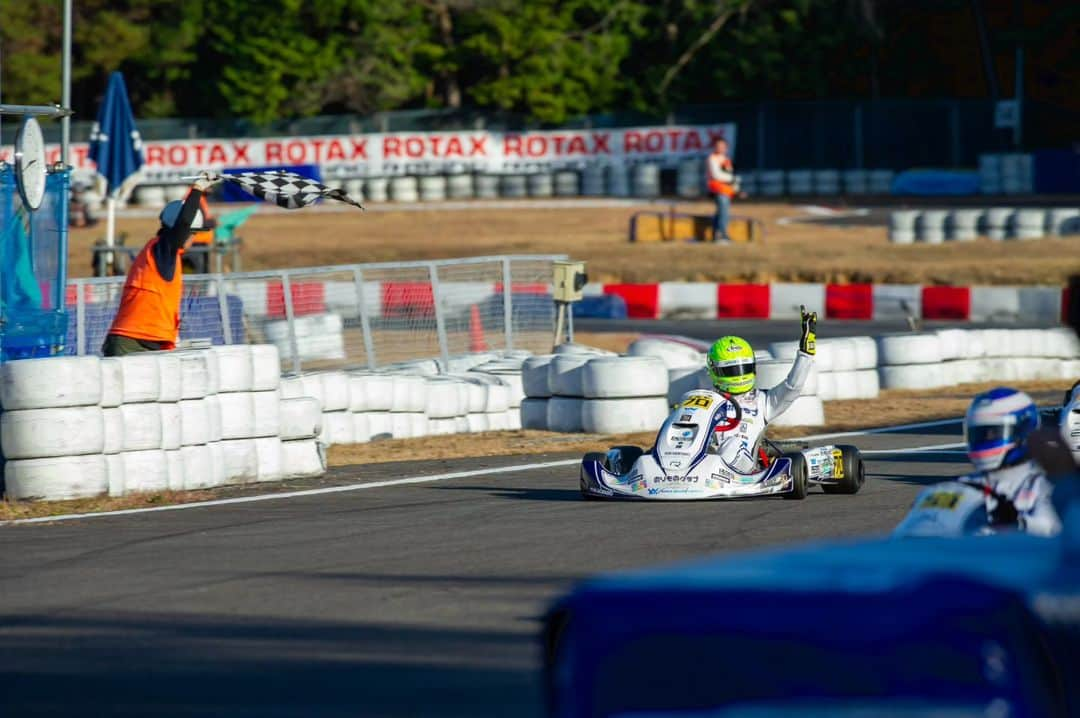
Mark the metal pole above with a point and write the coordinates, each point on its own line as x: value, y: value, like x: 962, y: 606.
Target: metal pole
x: 223, y: 307
x: 440, y: 324
x: 508, y: 299
x: 365, y: 321
x: 290, y: 317
x: 65, y: 90
x: 80, y: 318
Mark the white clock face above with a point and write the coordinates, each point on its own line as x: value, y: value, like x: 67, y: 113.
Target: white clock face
x: 30, y: 170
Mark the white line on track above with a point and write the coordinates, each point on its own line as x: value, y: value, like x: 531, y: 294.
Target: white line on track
x: 306, y: 492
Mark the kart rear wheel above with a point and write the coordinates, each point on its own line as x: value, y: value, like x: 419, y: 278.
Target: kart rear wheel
x: 798, y: 477
x: 591, y: 456
x: 854, y: 472
x: 620, y: 459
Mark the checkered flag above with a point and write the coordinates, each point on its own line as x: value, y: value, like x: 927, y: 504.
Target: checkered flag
x: 287, y: 190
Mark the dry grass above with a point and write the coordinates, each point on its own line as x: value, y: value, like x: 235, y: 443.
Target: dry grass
x: 11, y: 510
x: 789, y: 252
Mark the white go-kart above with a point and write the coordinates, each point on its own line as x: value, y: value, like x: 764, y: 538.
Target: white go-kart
x: 685, y: 462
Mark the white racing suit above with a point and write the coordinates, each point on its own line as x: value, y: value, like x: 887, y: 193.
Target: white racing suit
x: 1018, y: 497
x: 738, y: 448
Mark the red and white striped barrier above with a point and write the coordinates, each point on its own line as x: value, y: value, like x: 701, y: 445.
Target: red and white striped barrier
x: 706, y: 300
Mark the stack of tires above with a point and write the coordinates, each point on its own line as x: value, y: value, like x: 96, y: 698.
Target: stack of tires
x: 684, y: 360
x: 808, y: 409
x: 910, y: 361
x: 846, y: 368
x: 318, y: 336
x: 580, y: 389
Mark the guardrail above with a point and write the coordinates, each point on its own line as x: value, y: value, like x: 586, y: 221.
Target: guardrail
x: 364, y: 315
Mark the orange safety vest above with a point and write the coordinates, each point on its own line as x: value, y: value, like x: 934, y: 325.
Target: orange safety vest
x: 150, y: 305
x: 715, y: 186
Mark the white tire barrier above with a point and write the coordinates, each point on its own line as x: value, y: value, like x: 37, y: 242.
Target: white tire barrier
x: 800, y: 182
x: 846, y: 385
x: 997, y: 222
x: 432, y: 188
x: 487, y: 186
x: 114, y: 468
x: 534, y: 376
x: 174, y: 470
x: 835, y: 355
x: 902, y: 226
x: 1062, y: 221
x: 911, y: 376
x: 56, y: 478
x: 826, y: 386
x: 856, y: 182
x: 963, y: 224
x: 593, y: 181
x: 896, y: 349
x: 142, y: 382
x: 533, y: 414
x: 241, y: 461
x: 171, y: 429
x: 572, y: 348
x: 442, y: 400
x: 826, y: 182
x: 198, y: 468
x: 266, y: 413
x: 881, y: 181
x: 566, y: 183
x: 300, y: 418
x: 337, y: 428
x: 623, y: 377
x: 867, y: 384
x: 1029, y: 223
x: 804, y: 411
x: 145, y: 471
x: 370, y: 392
x: 55, y: 382
x: 142, y: 426
x: 404, y: 189
x: 460, y: 186
x: 618, y: 180
x: 772, y: 372
x: 616, y: 416
x: 685, y: 379
x: 361, y: 428
x: 930, y: 227
x: 213, y: 418
x: 45, y: 433
x: 335, y: 390
x: 376, y: 189
x: 217, y: 464
x: 409, y: 393
x: 234, y: 367
x: 866, y: 355
x: 237, y: 412
x: 169, y: 377
x: 379, y: 425
x: 541, y: 184
x: 112, y: 383
x: 510, y: 421
x: 194, y: 422
x: 675, y: 355
x: 265, y: 367
x: 499, y: 390
x: 565, y: 374
x: 564, y: 414
x: 194, y: 373
x: 515, y: 391
x: 113, y: 424
x: 268, y: 459
x: 771, y: 183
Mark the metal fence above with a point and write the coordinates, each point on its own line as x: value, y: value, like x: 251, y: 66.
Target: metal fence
x: 364, y: 315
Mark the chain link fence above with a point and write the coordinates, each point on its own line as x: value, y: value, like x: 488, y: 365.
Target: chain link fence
x: 363, y: 315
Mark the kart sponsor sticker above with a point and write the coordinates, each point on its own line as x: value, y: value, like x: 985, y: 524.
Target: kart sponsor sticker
x: 946, y: 500
x: 674, y: 479
x: 638, y: 485
x: 838, y: 464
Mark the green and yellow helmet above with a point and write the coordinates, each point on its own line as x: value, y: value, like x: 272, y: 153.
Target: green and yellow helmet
x: 731, y: 365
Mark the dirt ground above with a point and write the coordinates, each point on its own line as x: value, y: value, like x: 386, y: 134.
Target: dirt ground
x: 790, y: 251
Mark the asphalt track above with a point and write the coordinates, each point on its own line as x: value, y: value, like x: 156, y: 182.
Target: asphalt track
x: 410, y: 599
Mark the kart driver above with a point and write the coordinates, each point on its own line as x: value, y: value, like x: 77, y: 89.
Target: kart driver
x: 731, y: 367
x: 1018, y: 494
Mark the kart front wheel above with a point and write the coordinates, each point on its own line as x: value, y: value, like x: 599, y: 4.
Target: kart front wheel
x: 853, y: 469
x: 591, y: 456
x: 798, y: 477
x: 620, y: 459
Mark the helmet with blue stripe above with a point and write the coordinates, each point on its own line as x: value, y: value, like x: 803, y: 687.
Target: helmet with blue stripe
x: 997, y: 426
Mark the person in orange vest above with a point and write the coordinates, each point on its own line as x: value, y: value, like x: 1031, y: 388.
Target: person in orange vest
x: 149, y: 315
x: 199, y: 262
x: 720, y: 180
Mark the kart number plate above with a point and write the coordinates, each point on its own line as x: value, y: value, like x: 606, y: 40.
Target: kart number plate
x: 941, y: 500
x: 699, y: 402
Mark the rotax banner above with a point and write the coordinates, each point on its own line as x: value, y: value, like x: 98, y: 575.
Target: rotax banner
x: 409, y: 153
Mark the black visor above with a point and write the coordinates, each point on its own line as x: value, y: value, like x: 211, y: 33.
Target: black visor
x: 735, y: 369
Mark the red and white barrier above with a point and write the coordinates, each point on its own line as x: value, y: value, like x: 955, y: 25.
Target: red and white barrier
x: 836, y: 301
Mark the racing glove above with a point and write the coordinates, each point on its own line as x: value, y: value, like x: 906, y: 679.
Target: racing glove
x: 808, y: 341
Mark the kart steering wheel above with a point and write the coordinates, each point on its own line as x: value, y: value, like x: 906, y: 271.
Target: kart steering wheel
x: 728, y: 423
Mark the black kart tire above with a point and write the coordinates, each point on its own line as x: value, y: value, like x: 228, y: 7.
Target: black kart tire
x: 798, y: 475
x: 854, y: 472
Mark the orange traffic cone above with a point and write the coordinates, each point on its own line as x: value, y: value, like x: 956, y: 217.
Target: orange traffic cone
x: 476, y: 331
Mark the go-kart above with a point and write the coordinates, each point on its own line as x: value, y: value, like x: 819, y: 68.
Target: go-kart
x: 686, y: 461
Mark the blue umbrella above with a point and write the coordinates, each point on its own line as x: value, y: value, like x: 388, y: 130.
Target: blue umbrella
x: 115, y: 146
